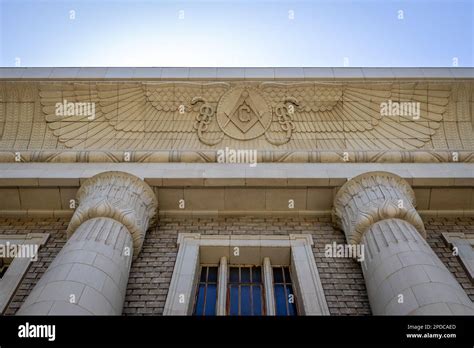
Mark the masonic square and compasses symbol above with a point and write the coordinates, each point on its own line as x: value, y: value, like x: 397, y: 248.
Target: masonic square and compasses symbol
x: 243, y: 114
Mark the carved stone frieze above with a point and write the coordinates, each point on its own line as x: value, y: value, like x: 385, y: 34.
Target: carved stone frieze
x: 295, y: 121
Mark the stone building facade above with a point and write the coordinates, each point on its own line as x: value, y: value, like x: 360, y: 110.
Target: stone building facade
x: 158, y: 191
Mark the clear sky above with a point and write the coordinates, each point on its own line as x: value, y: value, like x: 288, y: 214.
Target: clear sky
x: 237, y: 33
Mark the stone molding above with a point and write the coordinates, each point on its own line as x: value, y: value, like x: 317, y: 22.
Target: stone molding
x: 47, y: 190
x: 372, y: 197
x: 263, y: 156
x: 267, y: 273
x: 222, y: 287
x: 120, y: 196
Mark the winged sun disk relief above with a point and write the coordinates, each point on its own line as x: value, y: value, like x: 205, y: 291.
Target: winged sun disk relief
x: 148, y: 115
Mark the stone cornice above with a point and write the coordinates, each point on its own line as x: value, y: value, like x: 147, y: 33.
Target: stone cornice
x: 418, y: 175
x: 244, y: 73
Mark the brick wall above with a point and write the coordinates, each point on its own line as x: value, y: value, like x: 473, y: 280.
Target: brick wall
x: 150, y: 275
x: 342, y: 279
x: 434, y: 228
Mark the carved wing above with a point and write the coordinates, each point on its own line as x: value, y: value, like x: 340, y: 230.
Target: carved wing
x: 349, y: 116
x: 312, y: 115
x: 136, y: 115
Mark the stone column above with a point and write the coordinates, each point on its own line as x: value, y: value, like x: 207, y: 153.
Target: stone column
x: 403, y: 275
x: 89, y: 276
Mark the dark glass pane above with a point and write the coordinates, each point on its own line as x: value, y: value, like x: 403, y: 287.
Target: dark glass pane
x: 212, y: 275
x: 287, y: 274
x: 203, y: 274
x: 280, y: 300
x: 245, y: 304
x: 291, y: 300
x: 211, y: 298
x: 245, y: 298
x: 234, y: 275
x: 200, y: 300
x: 256, y: 275
x: 257, y: 300
x: 277, y: 275
x: 234, y: 300
x: 245, y: 275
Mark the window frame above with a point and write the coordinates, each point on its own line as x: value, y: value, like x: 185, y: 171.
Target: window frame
x: 285, y: 284
x: 294, y: 250
x: 464, y: 244
x: 18, y: 266
x: 240, y: 284
x: 206, y: 283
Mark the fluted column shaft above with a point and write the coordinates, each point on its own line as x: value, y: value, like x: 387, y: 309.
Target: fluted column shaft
x: 403, y: 275
x: 90, y: 274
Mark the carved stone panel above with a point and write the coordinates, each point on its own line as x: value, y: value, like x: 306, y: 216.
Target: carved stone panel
x: 243, y: 114
x: 313, y: 121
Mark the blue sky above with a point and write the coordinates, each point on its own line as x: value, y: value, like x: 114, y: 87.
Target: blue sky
x: 237, y: 33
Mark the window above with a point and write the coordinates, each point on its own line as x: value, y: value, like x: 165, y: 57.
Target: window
x: 207, y: 292
x: 245, y: 291
x: 270, y: 275
x: 284, y: 296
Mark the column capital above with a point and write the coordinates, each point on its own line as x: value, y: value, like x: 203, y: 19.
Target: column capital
x: 120, y: 196
x: 372, y: 197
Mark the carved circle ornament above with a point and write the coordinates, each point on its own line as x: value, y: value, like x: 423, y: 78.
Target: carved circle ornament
x: 243, y: 113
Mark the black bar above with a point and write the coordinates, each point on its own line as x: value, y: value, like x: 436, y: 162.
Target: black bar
x: 105, y: 330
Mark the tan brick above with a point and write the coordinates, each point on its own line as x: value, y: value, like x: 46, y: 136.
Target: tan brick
x: 168, y: 198
x: 40, y: 198
x: 244, y: 199
x: 67, y: 193
x: 450, y: 198
x: 422, y: 198
x: 9, y: 199
x: 278, y: 199
x: 204, y: 199
x: 320, y: 199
